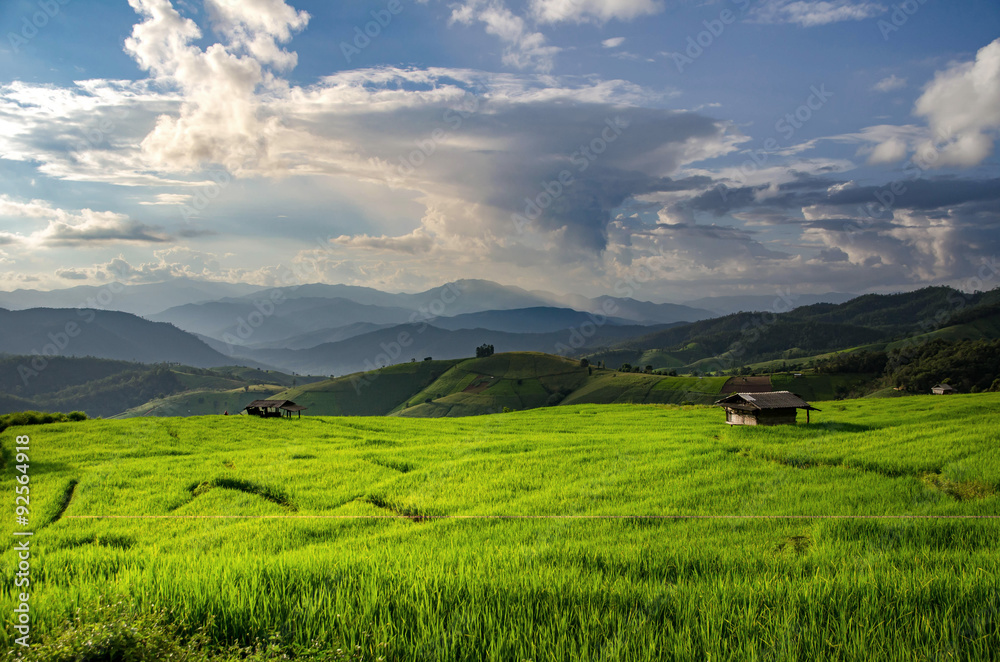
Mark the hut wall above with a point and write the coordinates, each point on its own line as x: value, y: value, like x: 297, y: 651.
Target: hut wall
x: 765, y: 417
x: 734, y: 417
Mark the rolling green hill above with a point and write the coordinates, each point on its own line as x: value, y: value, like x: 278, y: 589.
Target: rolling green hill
x: 102, y: 387
x: 565, y: 534
x: 374, y: 393
x: 515, y: 380
x: 512, y: 380
x: 202, y: 402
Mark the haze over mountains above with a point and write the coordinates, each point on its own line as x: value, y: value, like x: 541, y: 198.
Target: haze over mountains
x: 330, y: 329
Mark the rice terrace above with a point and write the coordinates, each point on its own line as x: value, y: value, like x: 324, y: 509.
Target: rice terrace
x: 500, y: 331
x: 584, y: 532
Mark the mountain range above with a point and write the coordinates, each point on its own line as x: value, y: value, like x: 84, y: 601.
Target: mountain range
x: 319, y: 330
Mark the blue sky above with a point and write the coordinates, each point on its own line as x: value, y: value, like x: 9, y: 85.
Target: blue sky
x: 566, y: 145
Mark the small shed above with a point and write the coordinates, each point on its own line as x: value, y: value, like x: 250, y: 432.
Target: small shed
x: 944, y: 389
x: 274, y: 408
x: 774, y: 408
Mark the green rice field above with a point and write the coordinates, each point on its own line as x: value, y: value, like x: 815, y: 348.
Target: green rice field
x: 578, y: 532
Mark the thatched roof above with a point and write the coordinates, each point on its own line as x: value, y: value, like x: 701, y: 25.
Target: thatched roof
x: 761, y: 401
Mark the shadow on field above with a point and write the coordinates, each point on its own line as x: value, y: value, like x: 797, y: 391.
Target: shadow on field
x: 833, y: 426
x: 266, y: 492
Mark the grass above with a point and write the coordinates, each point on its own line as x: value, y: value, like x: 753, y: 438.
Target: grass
x: 419, y: 588
x: 516, y: 380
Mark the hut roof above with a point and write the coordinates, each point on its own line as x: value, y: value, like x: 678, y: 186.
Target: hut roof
x: 760, y: 401
x: 287, y: 405
x: 944, y: 387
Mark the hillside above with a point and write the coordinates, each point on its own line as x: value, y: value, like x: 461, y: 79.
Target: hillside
x: 470, y: 387
x: 367, y: 394
x: 102, y: 334
x: 201, y: 402
x: 101, y: 387
x: 872, y: 321
x: 517, y: 381
x: 626, y: 533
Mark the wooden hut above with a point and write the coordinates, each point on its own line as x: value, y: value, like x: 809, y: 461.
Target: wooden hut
x: 274, y: 408
x: 944, y: 389
x: 774, y: 408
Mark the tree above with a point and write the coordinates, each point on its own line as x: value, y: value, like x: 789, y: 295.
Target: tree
x: 584, y: 363
x: 649, y: 369
x: 484, y: 351
x: 626, y: 367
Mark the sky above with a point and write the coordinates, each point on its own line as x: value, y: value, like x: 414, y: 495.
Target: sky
x: 690, y: 148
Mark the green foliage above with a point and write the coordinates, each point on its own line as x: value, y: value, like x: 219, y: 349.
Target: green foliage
x: 746, y: 338
x: 856, y: 362
x: 967, y: 365
x: 484, y: 351
x: 38, y: 418
x: 112, y: 632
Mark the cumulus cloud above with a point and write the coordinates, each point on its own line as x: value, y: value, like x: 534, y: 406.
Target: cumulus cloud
x: 220, y: 119
x: 523, y: 49
x: 554, y: 11
x: 811, y: 13
x: 258, y: 26
x: 962, y: 108
x: 892, y: 150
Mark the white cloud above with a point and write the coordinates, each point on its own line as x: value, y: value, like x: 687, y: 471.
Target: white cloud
x: 258, y: 26
x: 614, y: 42
x: 962, y: 108
x: 890, y: 151
x: 80, y: 228
x: 220, y: 119
x: 890, y: 84
x: 523, y: 49
x: 555, y: 11
x: 812, y: 13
